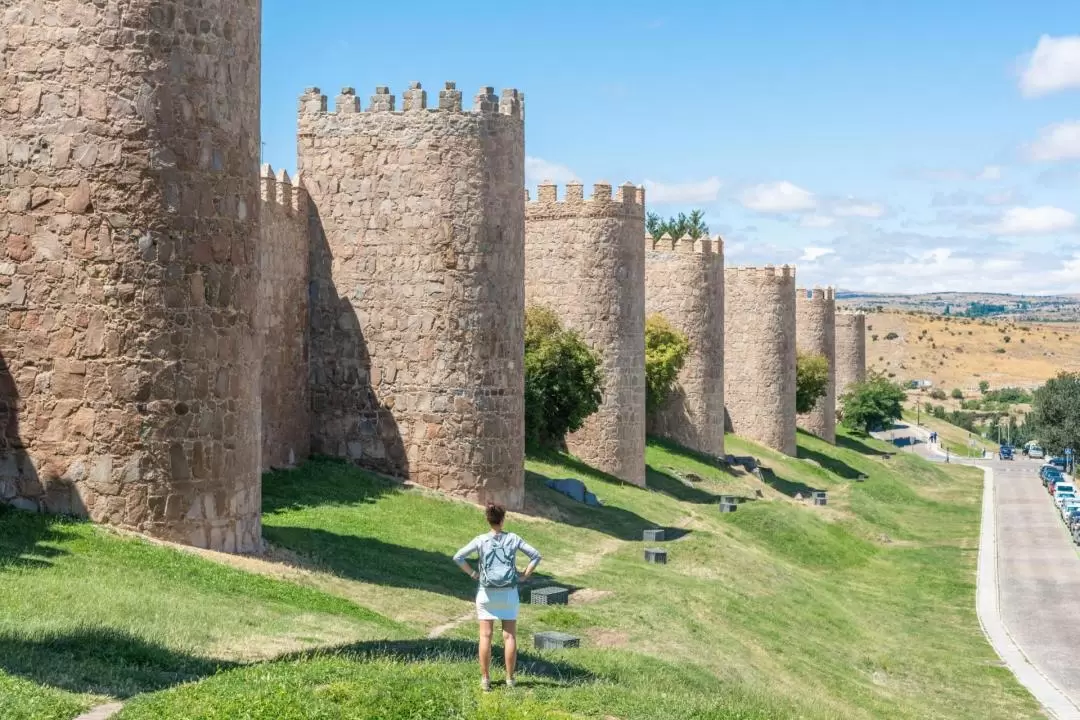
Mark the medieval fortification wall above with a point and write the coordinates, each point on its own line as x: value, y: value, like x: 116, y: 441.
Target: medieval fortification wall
x: 585, y: 260
x: 418, y: 294
x: 283, y: 318
x: 850, y: 350
x: 815, y: 330
x: 684, y: 283
x: 759, y: 354
x: 129, y: 138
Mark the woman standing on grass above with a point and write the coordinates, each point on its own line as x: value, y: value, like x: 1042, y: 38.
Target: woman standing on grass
x: 497, y: 596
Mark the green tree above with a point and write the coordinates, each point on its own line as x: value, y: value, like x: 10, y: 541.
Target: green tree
x: 872, y: 403
x: 665, y: 354
x: 677, y: 226
x: 984, y: 385
x: 563, y: 379
x: 1055, y: 413
x: 957, y: 394
x: 811, y: 380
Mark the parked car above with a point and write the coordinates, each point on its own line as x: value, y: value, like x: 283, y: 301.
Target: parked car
x: 1062, y: 498
x: 1036, y: 452
x: 1076, y: 534
x: 1058, y: 462
x: 1005, y: 453
x: 1051, y: 476
x: 1070, y: 513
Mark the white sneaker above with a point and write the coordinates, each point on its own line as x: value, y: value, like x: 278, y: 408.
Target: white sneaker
x: 485, y: 684
x: 509, y: 682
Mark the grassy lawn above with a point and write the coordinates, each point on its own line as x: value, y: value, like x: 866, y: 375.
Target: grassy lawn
x: 860, y: 609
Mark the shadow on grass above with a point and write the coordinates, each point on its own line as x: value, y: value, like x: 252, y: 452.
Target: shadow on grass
x: 453, y: 651
x: 836, y: 467
x: 790, y: 488
x: 101, y: 662
x: 368, y: 559
x: 323, y: 481
x: 668, y: 484
x: 850, y: 443
x: 674, y: 447
x: 23, y: 538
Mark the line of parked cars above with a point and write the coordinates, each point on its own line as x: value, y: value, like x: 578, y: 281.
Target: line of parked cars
x: 1064, y: 492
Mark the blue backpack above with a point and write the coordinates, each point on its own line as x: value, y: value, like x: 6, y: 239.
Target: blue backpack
x: 497, y: 567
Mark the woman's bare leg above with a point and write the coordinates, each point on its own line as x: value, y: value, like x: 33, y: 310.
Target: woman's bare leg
x: 487, y: 627
x: 509, y: 628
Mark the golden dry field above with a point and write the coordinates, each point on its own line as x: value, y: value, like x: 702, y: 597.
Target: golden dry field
x: 959, y: 352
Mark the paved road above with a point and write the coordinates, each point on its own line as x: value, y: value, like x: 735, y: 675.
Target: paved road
x: 1038, y: 575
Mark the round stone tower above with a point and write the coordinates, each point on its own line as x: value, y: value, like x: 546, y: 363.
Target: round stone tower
x: 684, y: 283
x: 417, y: 312
x: 850, y: 350
x: 585, y: 260
x: 815, y: 332
x: 129, y: 144
x: 759, y: 354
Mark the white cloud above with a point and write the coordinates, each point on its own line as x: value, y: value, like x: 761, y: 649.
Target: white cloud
x: 777, y: 197
x: 1034, y: 221
x: 858, y: 209
x: 705, y: 191
x: 1060, y: 141
x: 811, y: 254
x: 1054, y: 65
x: 538, y: 170
x: 990, y: 172
x: 817, y: 221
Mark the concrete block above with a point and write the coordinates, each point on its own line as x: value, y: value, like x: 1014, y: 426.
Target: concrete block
x: 728, y: 507
x: 656, y: 555
x: 552, y: 640
x: 654, y: 535
x: 820, y: 497
x: 551, y: 595
x: 729, y: 499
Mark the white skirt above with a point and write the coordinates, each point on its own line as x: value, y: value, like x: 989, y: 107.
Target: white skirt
x: 497, y: 604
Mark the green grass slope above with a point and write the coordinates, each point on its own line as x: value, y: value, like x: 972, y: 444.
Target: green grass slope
x: 860, y: 609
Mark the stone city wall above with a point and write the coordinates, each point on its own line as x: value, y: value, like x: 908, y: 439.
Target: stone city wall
x: 283, y: 319
x: 129, y: 139
x: 759, y: 354
x: 850, y: 350
x: 585, y: 260
x: 418, y: 295
x: 815, y: 329
x: 684, y: 283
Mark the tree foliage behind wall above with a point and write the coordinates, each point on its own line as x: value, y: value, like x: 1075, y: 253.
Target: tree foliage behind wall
x: 811, y: 380
x: 665, y: 354
x: 872, y: 404
x: 563, y: 379
x: 677, y: 226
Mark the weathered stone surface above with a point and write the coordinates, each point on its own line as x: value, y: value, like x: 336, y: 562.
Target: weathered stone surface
x: 129, y: 132
x: 418, y: 301
x: 759, y: 354
x: 815, y: 332
x: 585, y: 260
x: 850, y: 350
x: 684, y: 283
x: 284, y: 247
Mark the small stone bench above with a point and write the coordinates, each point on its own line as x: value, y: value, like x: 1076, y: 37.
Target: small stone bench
x: 819, y: 497
x: 653, y: 535
x: 551, y: 595
x: 657, y: 556
x: 728, y: 507
x: 552, y: 640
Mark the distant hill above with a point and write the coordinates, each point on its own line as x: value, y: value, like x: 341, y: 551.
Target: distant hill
x: 1029, y: 308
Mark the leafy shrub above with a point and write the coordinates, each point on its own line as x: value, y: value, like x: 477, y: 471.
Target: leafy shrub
x: 1007, y: 338
x: 938, y: 394
x: 811, y: 380
x: 891, y: 336
x: 957, y: 394
x: 970, y: 405
x: 665, y: 353
x: 984, y: 385
x: 874, y: 338
x: 999, y: 350
x: 563, y: 379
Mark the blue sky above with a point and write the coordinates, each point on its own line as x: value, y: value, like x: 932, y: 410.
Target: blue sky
x: 894, y: 145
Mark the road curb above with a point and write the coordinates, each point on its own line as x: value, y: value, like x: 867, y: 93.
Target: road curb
x: 1054, y: 701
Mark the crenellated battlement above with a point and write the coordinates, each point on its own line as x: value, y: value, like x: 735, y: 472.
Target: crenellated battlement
x: 278, y: 191
x: 816, y: 294
x: 703, y: 245
x: 786, y: 272
x: 511, y: 102
x: 628, y: 200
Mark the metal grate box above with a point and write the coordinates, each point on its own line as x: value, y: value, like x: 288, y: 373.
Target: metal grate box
x: 726, y: 507
x: 820, y: 498
x: 656, y: 535
x: 552, y: 595
x: 656, y: 555
x: 552, y: 640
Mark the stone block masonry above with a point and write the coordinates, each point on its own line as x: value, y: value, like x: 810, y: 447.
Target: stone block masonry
x: 418, y: 300
x: 684, y: 283
x: 129, y: 142
x: 283, y: 319
x: 759, y: 354
x: 585, y: 260
x: 815, y: 332
x: 850, y: 350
